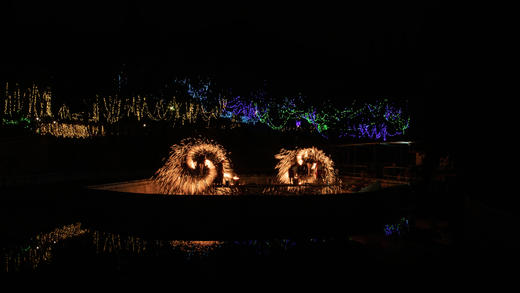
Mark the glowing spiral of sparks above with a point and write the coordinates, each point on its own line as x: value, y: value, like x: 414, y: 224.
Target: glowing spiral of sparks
x: 194, y: 167
x: 319, y: 167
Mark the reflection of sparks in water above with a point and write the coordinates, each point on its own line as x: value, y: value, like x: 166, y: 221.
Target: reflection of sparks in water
x: 196, y: 247
x: 309, y: 165
x: 107, y: 243
x: 194, y: 167
x: 39, y: 248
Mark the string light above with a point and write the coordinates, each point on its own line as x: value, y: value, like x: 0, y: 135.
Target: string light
x: 199, y: 101
x: 377, y: 120
x: 70, y: 130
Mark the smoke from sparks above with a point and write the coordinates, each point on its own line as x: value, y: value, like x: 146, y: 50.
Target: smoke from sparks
x: 195, y: 166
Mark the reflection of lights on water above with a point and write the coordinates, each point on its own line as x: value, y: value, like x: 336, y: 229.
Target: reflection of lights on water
x: 195, y: 247
x: 397, y: 228
x: 30, y: 256
x: 39, y: 249
x: 114, y: 243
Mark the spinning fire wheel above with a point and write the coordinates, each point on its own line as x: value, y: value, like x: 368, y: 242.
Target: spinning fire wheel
x: 308, y: 165
x: 195, y: 167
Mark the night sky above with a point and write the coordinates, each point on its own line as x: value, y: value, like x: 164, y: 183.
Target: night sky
x: 323, y: 50
x: 367, y: 48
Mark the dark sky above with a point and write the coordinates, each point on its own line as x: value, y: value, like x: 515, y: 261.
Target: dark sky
x: 323, y: 50
x: 341, y: 50
x: 367, y: 49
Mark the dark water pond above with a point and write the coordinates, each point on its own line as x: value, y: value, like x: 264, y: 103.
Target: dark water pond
x: 76, y: 247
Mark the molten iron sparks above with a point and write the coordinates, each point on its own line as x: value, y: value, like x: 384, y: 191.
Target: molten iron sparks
x: 195, y: 166
x: 308, y: 165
